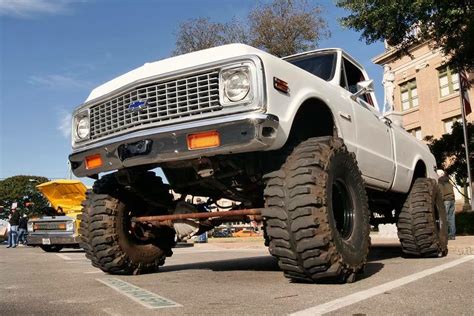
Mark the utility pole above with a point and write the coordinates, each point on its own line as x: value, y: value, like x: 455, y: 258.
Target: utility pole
x: 464, y: 105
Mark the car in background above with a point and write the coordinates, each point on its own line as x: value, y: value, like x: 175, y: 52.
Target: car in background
x: 3, y: 230
x: 59, y: 228
x: 221, y: 234
x: 246, y: 233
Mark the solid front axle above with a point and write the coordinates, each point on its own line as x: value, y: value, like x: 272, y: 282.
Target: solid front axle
x: 257, y: 212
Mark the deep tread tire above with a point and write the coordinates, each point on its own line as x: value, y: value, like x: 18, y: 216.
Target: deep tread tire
x: 422, y: 223
x: 299, y: 213
x: 84, y: 235
x: 105, y: 238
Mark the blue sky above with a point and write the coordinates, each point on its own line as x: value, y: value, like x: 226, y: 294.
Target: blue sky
x: 53, y: 52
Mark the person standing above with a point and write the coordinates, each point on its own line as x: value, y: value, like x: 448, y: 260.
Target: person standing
x: 22, y: 229
x: 447, y: 192
x: 13, y: 234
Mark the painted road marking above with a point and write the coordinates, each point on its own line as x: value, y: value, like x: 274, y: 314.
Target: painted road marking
x: 110, y: 312
x: 146, y: 298
x: 64, y: 257
x: 363, y: 295
x: 93, y: 272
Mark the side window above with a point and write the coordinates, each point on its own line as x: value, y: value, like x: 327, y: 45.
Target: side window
x: 353, y: 76
x: 343, y: 81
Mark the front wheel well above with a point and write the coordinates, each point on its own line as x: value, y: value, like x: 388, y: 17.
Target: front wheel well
x: 313, y: 119
x: 420, y: 171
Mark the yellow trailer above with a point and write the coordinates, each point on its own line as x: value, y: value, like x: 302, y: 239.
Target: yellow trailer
x: 52, y: 233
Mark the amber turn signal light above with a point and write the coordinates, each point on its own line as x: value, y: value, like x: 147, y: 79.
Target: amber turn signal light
x: 93, y: 161
x: 281, y: 85
x: 207, y: 139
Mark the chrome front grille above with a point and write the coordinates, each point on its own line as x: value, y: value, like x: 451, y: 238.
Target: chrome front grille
x: 46, y: 226
x: 167, y: 100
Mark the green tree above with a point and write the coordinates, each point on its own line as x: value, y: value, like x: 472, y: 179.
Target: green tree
x: 448, y: 25
x: 450, y: 153
x: 22, y: 190
x: 280, y: 27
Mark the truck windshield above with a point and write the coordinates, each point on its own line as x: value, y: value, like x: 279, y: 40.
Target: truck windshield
x: 321, y: 65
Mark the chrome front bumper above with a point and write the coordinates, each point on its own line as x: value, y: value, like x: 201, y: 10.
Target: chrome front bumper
x: 238, y: 133
x: 55, y: 239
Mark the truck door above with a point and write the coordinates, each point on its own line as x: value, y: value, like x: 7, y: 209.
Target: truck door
x: 373, y: 137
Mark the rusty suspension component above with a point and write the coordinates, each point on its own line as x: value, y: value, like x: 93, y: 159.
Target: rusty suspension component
x: 256, y: 212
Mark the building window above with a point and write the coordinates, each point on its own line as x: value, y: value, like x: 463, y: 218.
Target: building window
x: 409, y: 95
x: 416, y: 132
x: 448, y: 81
x: 448, y: 124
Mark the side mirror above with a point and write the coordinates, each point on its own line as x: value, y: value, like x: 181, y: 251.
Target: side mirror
x: 394, y: 117
x: 363, y: 87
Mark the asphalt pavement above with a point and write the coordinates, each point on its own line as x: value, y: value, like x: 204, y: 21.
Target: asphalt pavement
x: 236, y: 277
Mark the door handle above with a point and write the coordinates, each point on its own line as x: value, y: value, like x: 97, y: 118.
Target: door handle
x: 347, y: 116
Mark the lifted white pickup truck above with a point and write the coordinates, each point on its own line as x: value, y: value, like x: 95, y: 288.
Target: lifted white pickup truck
x: 298, y: 140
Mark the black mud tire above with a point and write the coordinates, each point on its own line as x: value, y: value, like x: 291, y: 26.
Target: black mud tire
x: 51, y: 248
x: 300, y: 213
x: 85, y: 222
x: 422, y: 223
x: 105, y: 232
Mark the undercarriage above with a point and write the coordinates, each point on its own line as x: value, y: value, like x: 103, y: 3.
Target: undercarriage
x: 312, y: 202
x: 236, y: 177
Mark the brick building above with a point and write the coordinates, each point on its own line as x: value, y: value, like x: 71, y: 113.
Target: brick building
x: 426, y: 92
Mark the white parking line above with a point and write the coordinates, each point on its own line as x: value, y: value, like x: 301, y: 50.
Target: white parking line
x: 110, y: 312
x: 93, y: 272
x: 83, y: 262
x: 363, y: 295
x: 144, y: 297
x: 64, y: 257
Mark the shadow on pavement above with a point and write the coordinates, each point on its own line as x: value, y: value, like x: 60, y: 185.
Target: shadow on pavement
x: 71, y: 251
x: 370, y: 269
x: 379, y: 253
x: 268, y: 263
x: 261, y: 263
x: 384, y: 252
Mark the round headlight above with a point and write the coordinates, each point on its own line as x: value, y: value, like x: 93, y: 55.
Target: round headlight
x: 70, y: 226
x: 82, y: 129
x: 237, y: 85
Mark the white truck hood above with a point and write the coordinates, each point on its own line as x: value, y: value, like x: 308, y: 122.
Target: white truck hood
x: 172, y: 64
